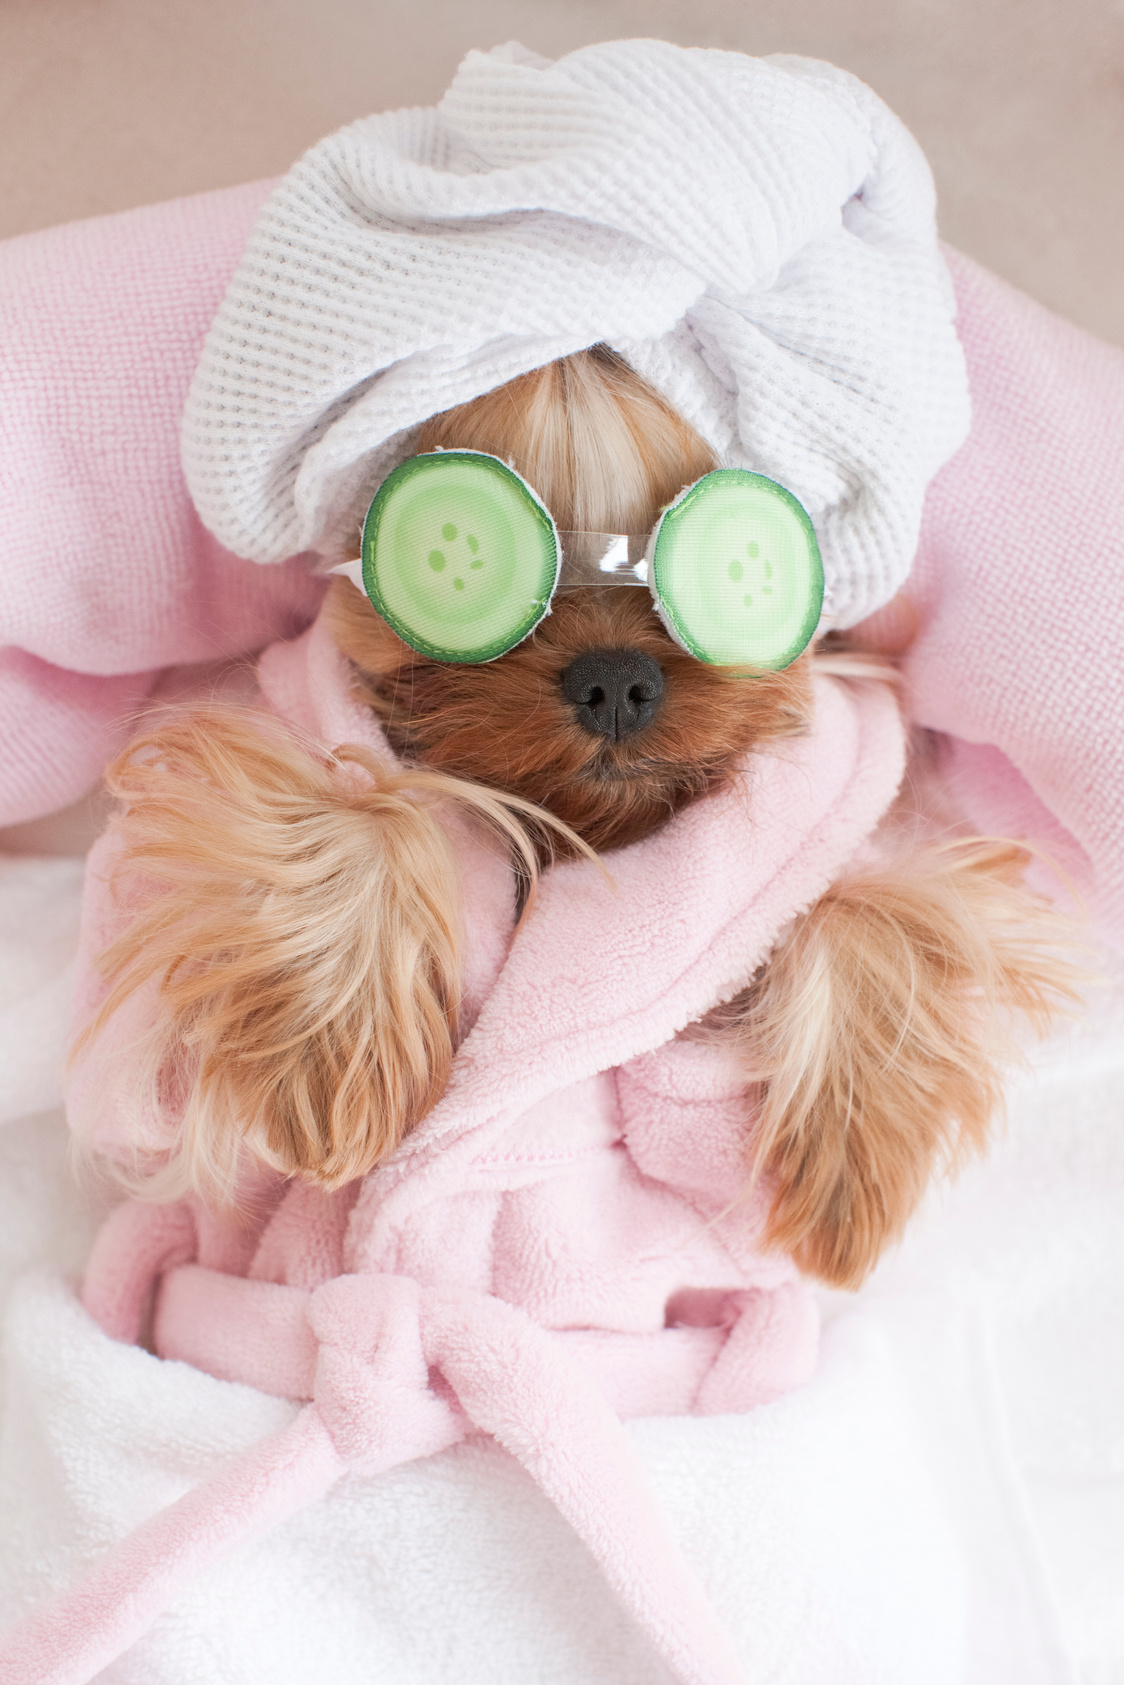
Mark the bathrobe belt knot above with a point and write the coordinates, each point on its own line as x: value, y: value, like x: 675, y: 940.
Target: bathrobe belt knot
x: 372, y: 1379
x: 396, y: 1370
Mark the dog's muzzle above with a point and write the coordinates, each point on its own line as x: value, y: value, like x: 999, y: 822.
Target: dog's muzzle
x: 613, y: 692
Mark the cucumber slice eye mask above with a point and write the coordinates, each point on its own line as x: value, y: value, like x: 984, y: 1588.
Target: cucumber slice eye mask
x: 735, y: 571
x: 460, y: 557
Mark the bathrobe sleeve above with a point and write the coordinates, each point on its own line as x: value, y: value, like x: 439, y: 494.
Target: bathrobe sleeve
x: 107, y: 575
x: 1019, y: 583
x: 114, y: 1106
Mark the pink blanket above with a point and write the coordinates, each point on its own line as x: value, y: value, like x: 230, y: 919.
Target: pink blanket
x: 109, y: 576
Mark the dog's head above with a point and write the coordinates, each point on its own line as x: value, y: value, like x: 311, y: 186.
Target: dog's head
x: 598, y: 716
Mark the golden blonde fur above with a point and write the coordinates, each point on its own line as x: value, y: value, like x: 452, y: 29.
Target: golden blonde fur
x: 602, y: 449
x: 299, y: 915
x: 881, y: 1029
x: 301, y: 920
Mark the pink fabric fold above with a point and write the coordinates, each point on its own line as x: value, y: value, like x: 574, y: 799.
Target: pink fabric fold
x: 108, y: 574
x: 1019, y: 580
x: 136, y: 1244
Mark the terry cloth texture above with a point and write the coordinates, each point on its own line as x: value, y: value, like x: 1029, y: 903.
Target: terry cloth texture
x: 857, y: 1531
x: 1019, y: 586
x: 108, y: 575
x: 755, y: 236
x: 560, y: 1243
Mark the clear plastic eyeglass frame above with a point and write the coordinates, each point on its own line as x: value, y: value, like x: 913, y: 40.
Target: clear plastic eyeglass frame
x: 462, y: 558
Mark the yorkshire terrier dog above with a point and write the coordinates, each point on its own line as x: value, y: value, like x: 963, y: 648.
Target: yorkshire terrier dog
x: 296, y: 919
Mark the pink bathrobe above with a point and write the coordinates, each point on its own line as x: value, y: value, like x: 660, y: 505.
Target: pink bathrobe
x: 567, y: 1239
x: 563, y: 1240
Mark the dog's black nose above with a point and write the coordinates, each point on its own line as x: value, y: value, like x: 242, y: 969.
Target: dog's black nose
x: 614, y: 692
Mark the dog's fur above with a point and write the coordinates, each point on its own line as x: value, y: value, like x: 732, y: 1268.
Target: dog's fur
x: 301, y: 924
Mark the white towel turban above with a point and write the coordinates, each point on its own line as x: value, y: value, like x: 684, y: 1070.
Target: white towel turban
x: 755, y: 236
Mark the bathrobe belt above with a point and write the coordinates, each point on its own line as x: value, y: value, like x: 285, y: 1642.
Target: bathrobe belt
x: 394, y: 1371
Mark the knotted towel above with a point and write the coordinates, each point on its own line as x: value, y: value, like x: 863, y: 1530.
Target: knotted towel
x: 755, y: 236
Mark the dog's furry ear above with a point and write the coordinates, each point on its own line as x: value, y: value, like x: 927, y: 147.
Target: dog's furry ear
x: 880, y: 1028
x: 301, y: 920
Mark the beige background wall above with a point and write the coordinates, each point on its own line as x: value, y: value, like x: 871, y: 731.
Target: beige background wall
x: 1019, y: 103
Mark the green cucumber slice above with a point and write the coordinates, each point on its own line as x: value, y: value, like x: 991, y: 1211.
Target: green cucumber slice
x: 736, y: 572
x: 459, y: 555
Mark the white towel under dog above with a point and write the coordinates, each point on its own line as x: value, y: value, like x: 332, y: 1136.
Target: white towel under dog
x: 869, y: 1530
x: 755, y: 236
